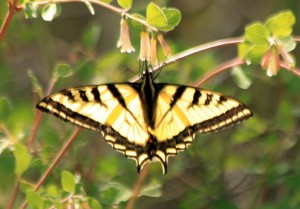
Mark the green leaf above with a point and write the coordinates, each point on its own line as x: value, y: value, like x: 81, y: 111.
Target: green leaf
x: 23, y: 159
x: 91, y: 35
x: 106, y: 1
x: 62, y: 70
x: 52, y: 191
x: 68, y: 182
x: 30, y: 10
x: 155, y: 16
x: 281, y: 24
x: 136, y: 27
x: 35, y: 201
x: 288, y: 43
x: 173, y: 18
x: 94, y: 203
x: 50, y: 11
x: 126, y: 4
x: 256, y: 33
x: 36, y: 85
x: 151, y: 190
x: 115, y: 193
x: 89, y: 6
x: 240, y: 77
x: 243, y: 49
x: 256, y: 52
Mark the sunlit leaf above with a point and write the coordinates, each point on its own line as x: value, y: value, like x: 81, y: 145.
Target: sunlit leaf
x: 281, y: 24
x: 50, y: 11
x: 288, y: 43
x: 91, y: 35
x: 30, y: 10
x: 155, y: 16
x: 240, y: 77
x: 256, y: 52
x: 256, y: 33
x: 36, y: 85
x: 94, y: 204
x: 35, y: 201
x: 23, y: 159
x: 151, y: 190
x: 106, y: 1
x: 115, y: 193
x: 173, y: 18
x: 68, y: 182
x: 62, y: 70
x: 89, y: 6
x: 126, y: 4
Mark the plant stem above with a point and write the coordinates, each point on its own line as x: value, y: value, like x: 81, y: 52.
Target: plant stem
x: 12, y: 9
x: 55, y: 162
x: 13, y: 194
x: 221, y: 68
x: 137, y: 186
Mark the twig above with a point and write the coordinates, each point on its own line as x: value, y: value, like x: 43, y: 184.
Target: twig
x: 110, y: 7
x: 38, y: 117
x: 221, y: 68
x: 55, y: 162
x: 12, y: 9
x: 13, y: 194
x: 193, y: 51
x: 137, y: 186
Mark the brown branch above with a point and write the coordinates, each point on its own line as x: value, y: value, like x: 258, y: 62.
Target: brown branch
x: 110, y: 7
x: 137, y: 187
x: 12, y: 9
x: 13, y: 194
x: 38, y: 117
x: 193, y: 51
x: 55, y: 162
x: 221, y: 68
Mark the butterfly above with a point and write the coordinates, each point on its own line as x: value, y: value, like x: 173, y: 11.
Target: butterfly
x: 146, y: 121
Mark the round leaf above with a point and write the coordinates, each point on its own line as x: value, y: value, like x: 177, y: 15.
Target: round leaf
x: 173, y: 18
x: 126, y: 4
x: 155, y: 16
x: 23, y: 159
x: 50, y: 11
x: 256, y: 33
x: 30, y: 10
x: 62, y: 70
x: 35, y: 201
x: 281, y: 25
x: 68, y: 182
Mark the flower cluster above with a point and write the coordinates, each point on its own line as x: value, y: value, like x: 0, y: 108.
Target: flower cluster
x: 148, y: 43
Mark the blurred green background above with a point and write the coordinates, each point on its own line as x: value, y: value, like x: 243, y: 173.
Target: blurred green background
x: 255, y: 164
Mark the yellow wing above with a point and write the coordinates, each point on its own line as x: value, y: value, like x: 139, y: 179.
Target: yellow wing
x: 113, y: 109
x: 182, y: 111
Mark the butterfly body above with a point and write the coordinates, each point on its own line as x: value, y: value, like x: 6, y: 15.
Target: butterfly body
x: 146, y: 121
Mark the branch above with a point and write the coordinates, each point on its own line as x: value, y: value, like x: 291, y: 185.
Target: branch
x: 221, y: 68
x: 193, y: 51
x: 55, y: 162
x: 110, y: 7
x: 137, y: 186
x: 12, y: 9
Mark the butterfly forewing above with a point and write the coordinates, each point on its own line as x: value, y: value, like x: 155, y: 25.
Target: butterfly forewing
x: 183, y: 110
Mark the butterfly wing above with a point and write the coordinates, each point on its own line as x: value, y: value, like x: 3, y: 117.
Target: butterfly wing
x: 182, y: 111
x: 113, y: 109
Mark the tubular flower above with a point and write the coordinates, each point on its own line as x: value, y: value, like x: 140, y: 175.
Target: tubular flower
x: 153, y: 55
x: 145, y: 48
x: 271, y: 62
x: 164, y: 45
x: 124, y: 41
